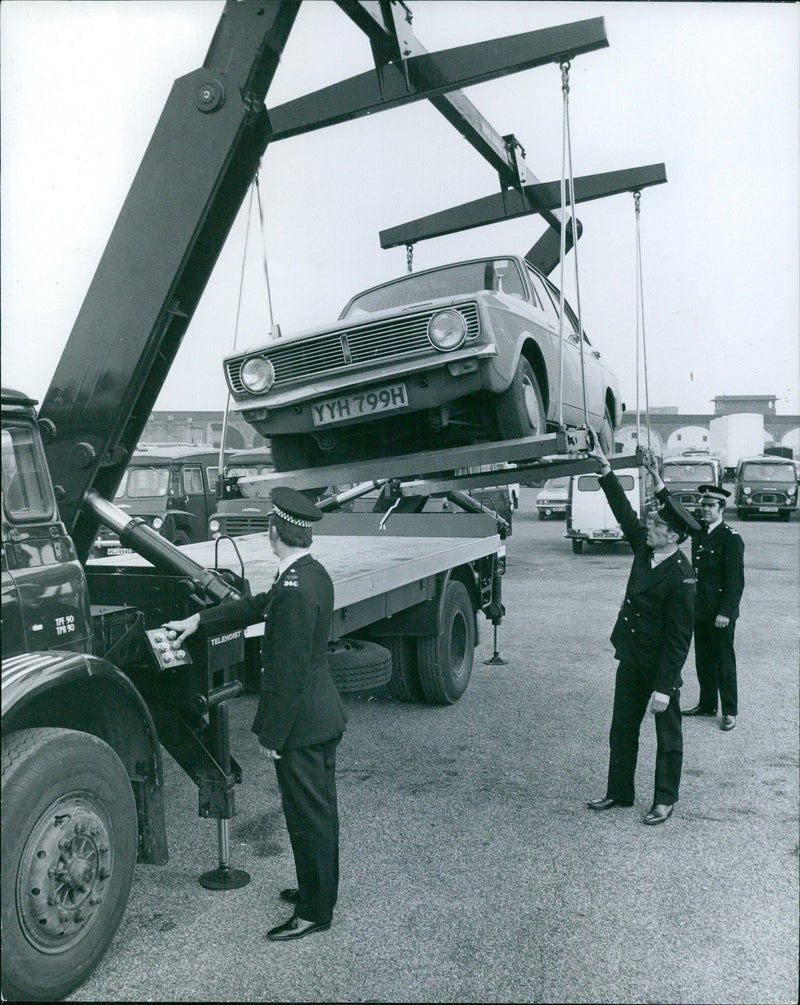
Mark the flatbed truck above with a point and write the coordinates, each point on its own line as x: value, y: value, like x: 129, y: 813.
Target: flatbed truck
x: 92, y: 690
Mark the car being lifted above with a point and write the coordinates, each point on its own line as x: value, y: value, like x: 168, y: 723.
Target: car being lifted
x: 454, y: 355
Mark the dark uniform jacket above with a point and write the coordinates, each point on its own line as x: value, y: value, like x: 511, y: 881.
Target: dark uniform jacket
x: 654, y: 626
x: 718, y: 560
x: 299, y: 704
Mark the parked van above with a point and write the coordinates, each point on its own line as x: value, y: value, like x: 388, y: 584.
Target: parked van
x: 765, y: 486
x: 241, y: 507
x: 170, y: 485
x: 589, y: 517
x: 685, y: 473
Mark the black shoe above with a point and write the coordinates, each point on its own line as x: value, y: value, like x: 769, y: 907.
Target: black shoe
x: 605, y: 803
x: 658, y: 814
x: 728, y: 722
x: 699, y: 710
x: 291, y: 896
x: 296, y: 928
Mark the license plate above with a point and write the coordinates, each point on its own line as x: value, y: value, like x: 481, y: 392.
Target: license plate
x: 767, y: 509
x: 352, y: 406
x: 605, y: 533
x: 119, y: 551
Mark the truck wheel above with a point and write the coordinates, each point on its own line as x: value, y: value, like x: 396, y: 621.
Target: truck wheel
x: 577, y: 545
x: 69, y: 837
x: 519, y: 410
x: 404, y: 684
x: 356, y: 665
x: 181, y: 537
x: 445, y: 660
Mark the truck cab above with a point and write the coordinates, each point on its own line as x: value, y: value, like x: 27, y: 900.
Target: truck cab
x: 170, y: 485
x: 765, y: 486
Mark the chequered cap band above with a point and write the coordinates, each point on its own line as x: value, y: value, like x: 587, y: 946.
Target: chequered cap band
x: 289, y: 518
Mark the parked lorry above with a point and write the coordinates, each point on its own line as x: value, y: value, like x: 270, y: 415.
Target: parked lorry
x: 93, y: 687
x: 683, y: 475
x: 171, y: 486
x: 732, y: 437
x: 238, y: 508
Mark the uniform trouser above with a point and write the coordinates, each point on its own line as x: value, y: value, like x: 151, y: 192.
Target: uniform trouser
x: 715, y: 661
x: 634, y: 686
x: 307, y: 780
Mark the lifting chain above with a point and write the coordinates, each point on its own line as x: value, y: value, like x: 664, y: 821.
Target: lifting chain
x: 567, y: 174
x: 637, y: 198
x: 410, y: 258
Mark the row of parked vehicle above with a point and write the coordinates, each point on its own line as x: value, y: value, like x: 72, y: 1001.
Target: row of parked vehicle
x: 176, y: 489
x: 765, y: 486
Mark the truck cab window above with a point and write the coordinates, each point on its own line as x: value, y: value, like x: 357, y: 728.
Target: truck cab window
x: 26, y: 495
x: 193, y: 481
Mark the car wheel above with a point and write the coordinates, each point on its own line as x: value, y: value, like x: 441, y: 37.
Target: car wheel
x: 606, y: 434
x: 291, y: 451
x: 519, y: 410
x: 542, y: 515
x: 69, y: 840
x: 577, y: 545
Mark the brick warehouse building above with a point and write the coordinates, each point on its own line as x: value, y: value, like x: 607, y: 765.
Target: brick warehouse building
x: 671, y: 431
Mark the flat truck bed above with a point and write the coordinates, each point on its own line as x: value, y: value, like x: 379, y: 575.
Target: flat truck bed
x: 375, y: 572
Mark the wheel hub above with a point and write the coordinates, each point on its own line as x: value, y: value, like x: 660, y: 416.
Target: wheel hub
x: 63, y: 873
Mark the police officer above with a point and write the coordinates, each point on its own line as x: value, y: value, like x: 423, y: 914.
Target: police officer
x: 651, y: 640
x: 718, y: 560
x: 300, y: 717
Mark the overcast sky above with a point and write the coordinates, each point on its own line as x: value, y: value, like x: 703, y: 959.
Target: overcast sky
x: 710, y: 89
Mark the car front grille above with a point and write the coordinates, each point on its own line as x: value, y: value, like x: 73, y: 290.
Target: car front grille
x: 392, y: 339
x: 769, y: 498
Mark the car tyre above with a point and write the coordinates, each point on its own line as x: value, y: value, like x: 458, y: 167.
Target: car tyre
x: 577, y: 545
x: 69, y: 840
x: 606, y: 434
x: 292, y: 451
x: 519, y: 410
x: 181, y: 537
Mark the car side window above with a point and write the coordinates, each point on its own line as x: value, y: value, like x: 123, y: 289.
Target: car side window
x: 193, y: 481
x: 543, y: 297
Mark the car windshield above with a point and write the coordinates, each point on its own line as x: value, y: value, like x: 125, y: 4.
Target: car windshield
x: 700, y: 473
x: 768, y: 473
x: 556, y: 483
x: 144, y: 482
x: 499, y: 274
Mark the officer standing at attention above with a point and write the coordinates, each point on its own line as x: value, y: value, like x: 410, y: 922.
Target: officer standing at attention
x: 651, y: 640
x: 718, y: 560
x: 300, y: 717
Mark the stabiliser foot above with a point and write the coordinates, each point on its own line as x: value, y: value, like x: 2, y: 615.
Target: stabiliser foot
x: 224, y: 878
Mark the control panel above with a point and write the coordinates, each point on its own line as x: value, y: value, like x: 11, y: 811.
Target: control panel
x: 166, y: 648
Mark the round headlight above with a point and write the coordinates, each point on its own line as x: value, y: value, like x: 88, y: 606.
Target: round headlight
x: 213, y: 526
x: 258, y: 374
x: 747, y: 490
x: 158, y: 523
x: 447, y: 330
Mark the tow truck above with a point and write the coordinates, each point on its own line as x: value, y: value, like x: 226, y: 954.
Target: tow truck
x: 93, y: 688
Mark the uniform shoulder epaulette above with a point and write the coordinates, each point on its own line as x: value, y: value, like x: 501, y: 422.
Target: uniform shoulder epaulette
x: 732, y: 530
x: 290, y: 580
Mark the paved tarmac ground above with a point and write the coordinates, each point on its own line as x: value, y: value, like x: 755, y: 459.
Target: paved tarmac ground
x: 472, y: 870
